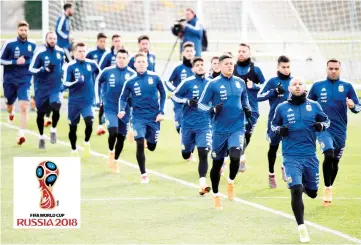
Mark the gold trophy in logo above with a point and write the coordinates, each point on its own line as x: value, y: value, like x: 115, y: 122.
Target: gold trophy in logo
x: 47, y: 173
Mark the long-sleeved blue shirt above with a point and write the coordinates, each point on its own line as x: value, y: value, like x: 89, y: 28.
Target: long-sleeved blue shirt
x: 193, y: 32
x: 301, y: 139
x: 62, y: 29
x: 112, y: 80
x: 96, y: 54
x: 331, y: 95
x: 10, y: 52
x: 191, y: 88
x: 151, y: 62
x: 256, y: 74
x: 179, y: 74
x: 43, y: 57
x: 81, y: 92
x: 232, y: 93
x: 108, y: 59
x: 269, y: 93
x: 144, y: 89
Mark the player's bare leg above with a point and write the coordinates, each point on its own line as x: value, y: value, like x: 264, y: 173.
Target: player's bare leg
x: 24, y: 105
x: 10, y: 110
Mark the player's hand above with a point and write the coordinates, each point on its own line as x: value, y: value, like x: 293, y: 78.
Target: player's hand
x: 350, y: 104
x: 319, y: 126
x: 249, y: 83
x: 21, y: 60
x: 282, y: 131
x: 247, y: 112
x: 218, y: 109
x: 193, y: 102
x: 280, y: 89
x: 160, y: 117
x: 121, y: 114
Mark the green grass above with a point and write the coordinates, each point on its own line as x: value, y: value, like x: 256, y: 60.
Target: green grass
x: 177, y: 214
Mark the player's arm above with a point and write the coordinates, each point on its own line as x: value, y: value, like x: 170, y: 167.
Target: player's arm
x: 277, y: 123
x: 162, y: 94
x: 352, y: 100
x: 178, y: 94
x: 196, y: 30
x: 267, y: 92
x: 169, y: 83
x: 124, y: 96
x: 322, y: 121
x: 6, y: 55
x: 36, y: 66
x: 245, y: 102
x: 69, y: 80
x: 98, y: 82
x: 154, y: 59
x: 206, y: 98
x: 131, y: 63
x: 59, y: 27
x: 312, y: 94
x: 104, y: 62
x: 260, y: 78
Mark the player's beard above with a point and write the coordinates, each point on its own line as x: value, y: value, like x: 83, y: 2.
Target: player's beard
x: 23, y: 37
x: 50, y: 45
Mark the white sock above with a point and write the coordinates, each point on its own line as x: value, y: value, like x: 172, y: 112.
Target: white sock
x: 202, y: 181
x: 243, y: 157
x: 216, y: 194
x: 86, y: 143
x: 12, y: 112
x: 21, y: 133
x: 111, y: 151
x: 100, y: 126
x: 145, y: 174
x: 41, y: 137
x: 47, y: 119
x: 76, y: 150
x: 302, y: 226
x: 271, y: 174
x: 230, y: 181
x: 328, y: 187
x: 53, y: 130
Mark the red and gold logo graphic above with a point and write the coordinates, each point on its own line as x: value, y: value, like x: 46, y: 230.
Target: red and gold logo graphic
x: 47, y: 173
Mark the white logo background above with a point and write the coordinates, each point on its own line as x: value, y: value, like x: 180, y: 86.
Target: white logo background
x: 66, y: 190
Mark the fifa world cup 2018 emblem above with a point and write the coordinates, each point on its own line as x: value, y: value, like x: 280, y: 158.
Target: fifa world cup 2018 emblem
x: 47, y: 173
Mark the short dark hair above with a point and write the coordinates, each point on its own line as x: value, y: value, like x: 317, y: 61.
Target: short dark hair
x: 225, y: 56
x: 122, y: 51
x: 23, y: 23
x: 191, y: 10
x: 196, y: 59
x: 333, y: 60
x: 101, y: 35
x: 115, y: 36
x: 245, y: 45
x: 79, y: 44
x: 143, y: 37
x: 67, y: 6
x: 188, y: 44
x: 283, y: 59
x: 140, y: 54
x: 214, y: 58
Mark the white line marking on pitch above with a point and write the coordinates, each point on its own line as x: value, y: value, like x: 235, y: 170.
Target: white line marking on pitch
x: 189, y: 184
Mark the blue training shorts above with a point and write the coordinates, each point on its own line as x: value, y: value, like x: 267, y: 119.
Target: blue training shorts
x: 223, y: 142
x: 13, y: 91
x: 146, y: 129
x: 195, y: 137
x: 75, y: 110
x: 112, y: 121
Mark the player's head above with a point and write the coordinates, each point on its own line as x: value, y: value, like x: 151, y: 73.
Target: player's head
x: 190, y: 14
x: 79, y: 51
x: 116, y: 42
x: 188, y: 50
x: 297, y: 86
x: 198, y: 66
x: 122, y: 58
x: 284, y: 65
x: 215, y: 64
x: 333, y: 69
x: 143, y: 42
x: 23, y: 29
x: 140, y: 63
x: 244, y: 52
x: 226, y: 64
x: 50, y: 39
x: 68, y: 9
x: 101, y: 40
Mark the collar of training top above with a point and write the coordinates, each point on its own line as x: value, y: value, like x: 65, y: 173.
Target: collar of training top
x: 245, y: 63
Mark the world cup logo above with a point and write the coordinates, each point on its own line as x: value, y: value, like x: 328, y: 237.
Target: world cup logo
x: 47, y: 173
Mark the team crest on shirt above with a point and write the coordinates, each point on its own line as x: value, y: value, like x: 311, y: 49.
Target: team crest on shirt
x: 341, y: 88
x: 322, y: 145
x: 183, y: 147
x: 30, y: 48
x: 214, y: 154
x: 151, y: 60
x: 238, y: 85
x: 58, y: 55
x: 150, y: 81
x: 308, y: 108
x: 88, y: 67
x: 127, y: 76
x: 135, y: 133
x: 289, y: 179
